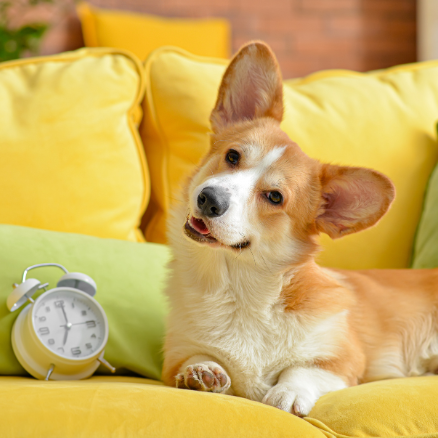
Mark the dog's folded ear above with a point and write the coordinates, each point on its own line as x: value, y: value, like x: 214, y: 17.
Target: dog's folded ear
x: 251, y: 87
x: 353, y: 198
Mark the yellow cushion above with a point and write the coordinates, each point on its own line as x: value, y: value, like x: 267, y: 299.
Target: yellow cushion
x: 134, y: 407
x: 141, y: 34
x: 390, y: 408
x: 383, y: 120
x: 71, y: 158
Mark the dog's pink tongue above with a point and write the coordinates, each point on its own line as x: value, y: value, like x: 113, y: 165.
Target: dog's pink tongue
x: 199, y: 225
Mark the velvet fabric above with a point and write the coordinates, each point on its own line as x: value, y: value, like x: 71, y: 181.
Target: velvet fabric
x: 141, y: 33
x: 70, y: 155
x: 426, y: 242
x: 120, y: 406
x: 389, y: 408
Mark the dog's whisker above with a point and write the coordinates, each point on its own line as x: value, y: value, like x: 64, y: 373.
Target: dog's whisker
x: 253, y: 256
x: 239, y: 252
x: 264, y: 261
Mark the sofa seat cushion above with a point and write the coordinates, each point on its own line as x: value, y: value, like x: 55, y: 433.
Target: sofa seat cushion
x: 135, y: 407
x: 383, y: 120
x: 389, y: 408
x: 121, y: 406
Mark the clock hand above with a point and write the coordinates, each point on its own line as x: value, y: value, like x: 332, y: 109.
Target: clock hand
x: 65, y: 315
x: 76, y: 323
x: 67, y: 329
x: 67, y: 326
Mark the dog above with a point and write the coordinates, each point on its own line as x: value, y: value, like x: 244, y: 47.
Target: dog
x: 252, y: 314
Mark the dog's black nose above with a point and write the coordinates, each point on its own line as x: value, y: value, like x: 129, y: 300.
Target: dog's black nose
x: 213, y: 201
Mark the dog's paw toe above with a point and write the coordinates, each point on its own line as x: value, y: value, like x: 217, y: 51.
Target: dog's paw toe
x: 202, y: 377
x: 280, y: 397
x: 302, y: 406
x: 284, y: 397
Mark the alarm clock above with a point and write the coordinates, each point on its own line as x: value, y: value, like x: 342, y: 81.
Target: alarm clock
x: 62, y: 334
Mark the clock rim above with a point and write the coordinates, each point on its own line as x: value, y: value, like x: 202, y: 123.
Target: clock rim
x: 39, y: 366
x: 93, y: 355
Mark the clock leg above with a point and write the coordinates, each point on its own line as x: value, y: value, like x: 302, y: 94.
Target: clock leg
x: 106, y: 364
x: 49, y: 373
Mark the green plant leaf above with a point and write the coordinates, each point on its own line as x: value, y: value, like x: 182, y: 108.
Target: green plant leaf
x: 13, y: 43
x: 37, y: 2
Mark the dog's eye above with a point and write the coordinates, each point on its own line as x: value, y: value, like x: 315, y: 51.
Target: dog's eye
x: 275, y: 197
x: 232, y: 157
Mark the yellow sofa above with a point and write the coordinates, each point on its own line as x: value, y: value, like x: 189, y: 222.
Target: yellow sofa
x: 398, y: 109
x: 136, y: 407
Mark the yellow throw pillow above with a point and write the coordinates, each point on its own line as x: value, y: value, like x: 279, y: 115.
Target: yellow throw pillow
x: 141, y: 34
x: 71, y: 158
x: 383, y: 120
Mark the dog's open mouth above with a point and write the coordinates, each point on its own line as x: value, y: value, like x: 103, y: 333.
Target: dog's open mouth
x: 197, y: 230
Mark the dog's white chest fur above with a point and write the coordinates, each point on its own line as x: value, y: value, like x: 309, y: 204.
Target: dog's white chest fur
x: 232, y: 311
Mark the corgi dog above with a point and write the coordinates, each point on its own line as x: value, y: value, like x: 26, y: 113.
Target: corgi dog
x: 252, y: 314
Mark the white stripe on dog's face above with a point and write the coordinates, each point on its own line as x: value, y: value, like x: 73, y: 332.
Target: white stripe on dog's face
x: 233, y: 227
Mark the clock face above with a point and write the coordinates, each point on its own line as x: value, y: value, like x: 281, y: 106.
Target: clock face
x: 69, y: 323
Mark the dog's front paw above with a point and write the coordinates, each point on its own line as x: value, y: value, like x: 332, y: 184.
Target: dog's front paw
x: 204, y: 377
x: 283, y: 396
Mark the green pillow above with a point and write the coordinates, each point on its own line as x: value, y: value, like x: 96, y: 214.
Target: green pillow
x: 426, y: 242
x: 129, y: 276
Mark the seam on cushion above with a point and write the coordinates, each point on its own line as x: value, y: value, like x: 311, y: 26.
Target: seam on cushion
x: 95, y: 52
x: 137, y: 139
x: 324, y: 74
x: 414, y: 66
x: 204, y: 59
x: 157, y: 125
x: 163, y: 140
x: 313, y: 77
x: 323, y: 428
x: 130, y: 114
x: 332, y: 434
x: 88, y: 21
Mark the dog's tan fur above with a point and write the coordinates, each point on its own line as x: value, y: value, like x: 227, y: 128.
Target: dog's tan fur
x: 266, y: 322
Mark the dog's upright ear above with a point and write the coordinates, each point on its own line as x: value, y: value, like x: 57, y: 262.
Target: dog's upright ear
x: 251, y: 87
x: 352, y: 199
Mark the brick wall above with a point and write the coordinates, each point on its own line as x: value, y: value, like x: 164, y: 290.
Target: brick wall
x: 306, y: 35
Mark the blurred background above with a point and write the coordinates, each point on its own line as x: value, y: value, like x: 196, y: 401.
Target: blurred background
x: 306, y: 35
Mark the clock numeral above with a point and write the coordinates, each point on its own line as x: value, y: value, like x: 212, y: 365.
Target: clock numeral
x: 84, y: 312
x: 72, y: 305
x: 51, y: 341
x: 44, y: 330
x: 88, y: 345
x: 91, y: 324
x: 93, y: 335
x: 42, y: 318
x: 47, y: 309
x: 59, y: 303
x: 75, y: 351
